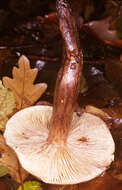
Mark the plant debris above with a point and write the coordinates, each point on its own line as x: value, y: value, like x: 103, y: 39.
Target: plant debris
x: 31, y: 185
x: 25, y: 92
x: 35, y: 33
x: 10, y: 161
x: 3, y: 171
x: 7, y: 105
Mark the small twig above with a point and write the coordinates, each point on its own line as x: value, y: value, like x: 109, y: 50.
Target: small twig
x: 53, y: 59
x: 3, y: 47
x: 92, y: 62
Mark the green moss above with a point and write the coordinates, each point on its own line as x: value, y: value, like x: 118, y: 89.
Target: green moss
x: 31, y: 185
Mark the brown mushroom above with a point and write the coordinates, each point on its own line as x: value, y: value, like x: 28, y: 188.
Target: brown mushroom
x: 54, y: 143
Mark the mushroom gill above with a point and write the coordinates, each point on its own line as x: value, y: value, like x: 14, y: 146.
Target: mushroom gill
x: 60, y: 163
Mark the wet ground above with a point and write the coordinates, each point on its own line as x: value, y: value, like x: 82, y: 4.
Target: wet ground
x: 42, y: 44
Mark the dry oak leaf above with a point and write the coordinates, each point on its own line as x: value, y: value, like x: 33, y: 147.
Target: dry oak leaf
x: 25, y: 92
x: 9, y: 160
x: 7, y: 105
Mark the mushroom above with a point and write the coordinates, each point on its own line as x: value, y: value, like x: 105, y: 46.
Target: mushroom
x: 54, y: 143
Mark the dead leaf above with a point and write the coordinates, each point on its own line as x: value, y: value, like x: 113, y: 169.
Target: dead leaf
x: 113, y: 69
x: 117, y: 169
x: 118, y: 25
x: 121, y: 57
x: 119, y: 176
x: 2, y: 185
x: 45, y: 103
x: 25, y: 92
x: 101, y: 28
x: 84, y: 86
x: 7, y: 105
x: 9, y: 159
x: 97, y: 111
x: 62, y: 187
